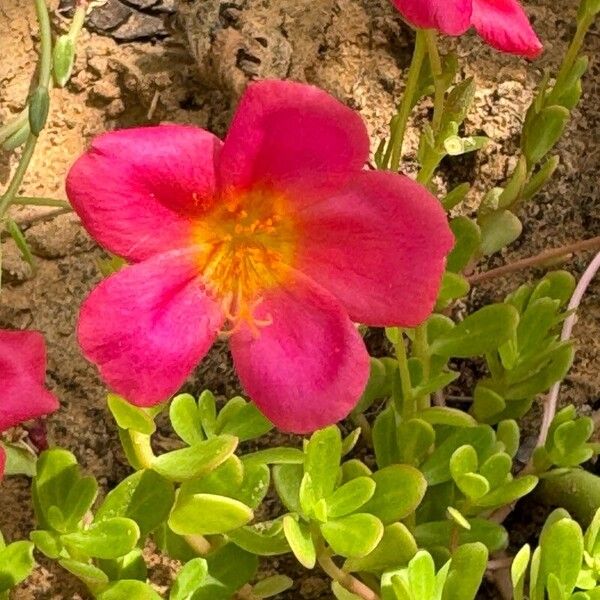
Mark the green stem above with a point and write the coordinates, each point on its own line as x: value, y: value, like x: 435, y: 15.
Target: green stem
x: 46, y: 43
x: 347, y: 581
x: 27, y: 201
x: 78, y: 21
x: 44, y: 81
x: 14, y: 125
x: 199, y: 544
x: 394, y: 150
x: 17, y: 180
x: 409, y: 407
x: 570, y: 57
x: 437, y: 72
x: 421, y: 351
x: 141, y: 448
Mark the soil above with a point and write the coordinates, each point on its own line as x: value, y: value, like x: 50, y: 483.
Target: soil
x: 148, y: 61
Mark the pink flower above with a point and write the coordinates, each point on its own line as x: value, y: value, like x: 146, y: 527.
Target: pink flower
x: 23, y: 395
x: 277, y: 232
x: 503, y: 24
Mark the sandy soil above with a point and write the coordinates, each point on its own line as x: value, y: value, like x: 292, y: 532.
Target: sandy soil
x: 192, y: 71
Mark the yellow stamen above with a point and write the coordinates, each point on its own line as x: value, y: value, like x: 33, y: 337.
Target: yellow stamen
x: 248, y: 244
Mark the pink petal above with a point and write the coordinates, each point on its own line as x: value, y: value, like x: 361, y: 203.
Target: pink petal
x: 148, y: 326
x: 504, y: 25
x: 23, y: 395
x: 136, y: 189
x: 309, y: 367
x: 452, y: 17
x: 379, y: 246
x: 284, y: 131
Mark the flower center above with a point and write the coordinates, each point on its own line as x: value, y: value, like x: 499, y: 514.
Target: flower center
x: 247, y: 241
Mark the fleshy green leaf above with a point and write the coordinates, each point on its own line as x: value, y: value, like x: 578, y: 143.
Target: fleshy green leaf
x: 398, y: 492
x: 323, y: 456
x: 353, y: 536
x: 481, y: 332
x: 195, y: 461
x: 16, y: 563
x: 189, y: 579
x: 204, y: 514
x: 300, y: 541
x: 350, y: 496
x: 107, y: 539
x: 185, y: 419
x: 146, y: 497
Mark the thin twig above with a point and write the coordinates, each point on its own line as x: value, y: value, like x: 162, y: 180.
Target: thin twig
x: 538, y: 259
x: 552, y: 400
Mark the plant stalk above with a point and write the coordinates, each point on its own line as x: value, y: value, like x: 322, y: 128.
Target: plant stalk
x: 538, y: 259
x: 394, y: 150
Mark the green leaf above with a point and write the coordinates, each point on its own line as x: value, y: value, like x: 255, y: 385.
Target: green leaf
x: 130, y: 566
x: 275, y: 456
x: 443, y: 415
x: 353, y: 536
x: 39, y: 105
x: 47, y: 543
x: 496, y: 469
x: 415, y: 438
x: 92, y: 576
x: 128, y: 416
x: 467, y: 568
x: 543, y: 132
x: 437, y: 469
x: 508, y: 433
x: 468, y: 238
x: 57, y: 472
x: 189, y: 579
x: 195, y: 461
x: 63, y: 58
x: 376, y: 386
x: 481, y: 332
x: 512, y: 191
x: 561, y: 553
x: 518, y: 571
x: 396, y: 548
x: 463, y: 460
x: 398, y: 492
x: 350, y: 441
x: 185, y: 419
x: 19, y: 460
x: 207, y: 408
x: 205, y: 514
x: 78, y: 501
x: 146, y: 497
x: 421, y: 576
x: 541, y: 178
x: 439, y: 533
x: 322, y: 463
x: 16, y: 563
x: 107, y: 539
x: 455, y: 196
x: 21, y: 242
x: 287, y: 479
x: 300, y: 541
x: 554, y: 368
x: 351, y: 469
x: 232, y: 568
x: 271, y: 586
x: 499, y: 229
x: 487, y: 404
x: 509, y: 492
x: 130, y: 589
x: 255, y: 485
x: 262, y: 539
x: 385, y: 441
x: 247, y: 423
x: 454, y: 286
x: 350, y: 496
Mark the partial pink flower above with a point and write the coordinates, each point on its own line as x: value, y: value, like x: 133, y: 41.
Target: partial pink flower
x: 23, y: 395
x: 276, y: 236
x: 503, y: 24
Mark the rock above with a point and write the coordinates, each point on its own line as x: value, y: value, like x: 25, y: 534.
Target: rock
x: 109, y: 16
x: 140, y: 26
